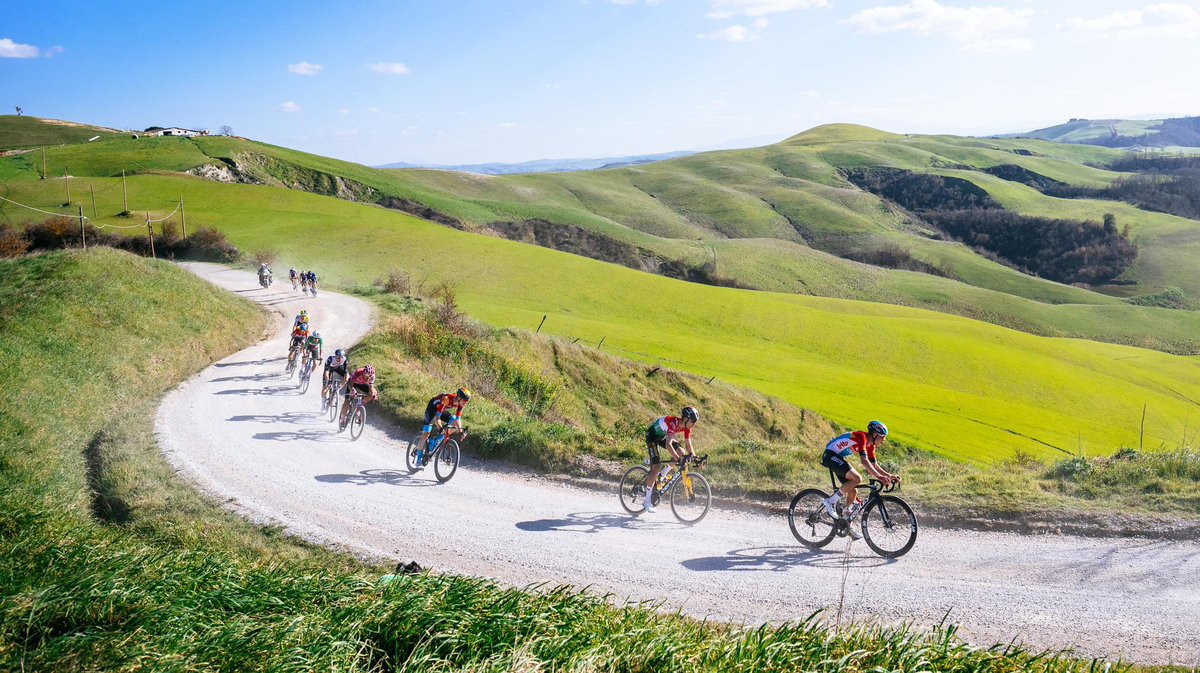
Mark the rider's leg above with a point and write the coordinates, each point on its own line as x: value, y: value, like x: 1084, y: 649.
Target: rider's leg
x: 655, y: 466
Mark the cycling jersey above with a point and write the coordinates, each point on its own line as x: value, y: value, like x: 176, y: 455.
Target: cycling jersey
x: 314, y: 342
x: 444, y: 402
x: 360, y: 377
x: 342, y: 369
x: 667, y: 427
x: 300, y: 332
x: 852, y: 442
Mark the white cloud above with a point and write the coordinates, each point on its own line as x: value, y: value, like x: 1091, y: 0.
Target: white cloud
x: 1158, y: 20
x: 344, y: 111
x: 998, y: 45
x: 735, y: 33
x: 304, y: 68
x: 808, y: 94
x: 725, y: 9
x: 54, y: 51
x: 389, y: 68
x: 929, y: 17
x: 761, y: 23
x: 289, y: 106
x: 10, y: 49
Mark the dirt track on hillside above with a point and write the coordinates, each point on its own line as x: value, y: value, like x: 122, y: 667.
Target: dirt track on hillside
x: 242, y: 433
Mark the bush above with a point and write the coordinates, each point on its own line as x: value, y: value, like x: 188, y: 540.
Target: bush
x: 208, y: 245
x: 395, y: 282
x: 12, y: 241
x: 264, y: 256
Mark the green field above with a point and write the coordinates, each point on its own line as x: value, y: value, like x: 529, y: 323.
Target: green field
x: 17, y: 133
x: 772, y: 218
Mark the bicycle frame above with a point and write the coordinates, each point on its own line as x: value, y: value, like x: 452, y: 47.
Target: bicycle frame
x: 876, y: 488
x: 681, y: 473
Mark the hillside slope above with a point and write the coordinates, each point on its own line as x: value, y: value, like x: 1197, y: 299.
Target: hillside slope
x: 1179, y: 131
x: 774, y: 218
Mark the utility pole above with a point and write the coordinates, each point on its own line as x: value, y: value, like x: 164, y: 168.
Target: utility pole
x: 150, y: 233
x: 82, y: 231
x: 124, y: 192
x: 67, y: 182
x: 183, y: 215
x: 93, y: 191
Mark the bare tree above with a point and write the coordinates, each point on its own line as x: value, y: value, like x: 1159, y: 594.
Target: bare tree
x: 225, y: 130
x: 19, y: 110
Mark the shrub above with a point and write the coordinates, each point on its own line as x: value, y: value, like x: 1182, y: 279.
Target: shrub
x: 264, y: 256
x: 395, y: 282
x: 12, y: 241
x: 208, y: 245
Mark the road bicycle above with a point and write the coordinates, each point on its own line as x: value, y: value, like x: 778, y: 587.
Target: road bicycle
x: 889, y: 526
x: 330, y: 396
x: 293, y: 351
x: 689, y: 491
x: 440, y: 448
x: 354, y: 414
x: 306, y: 368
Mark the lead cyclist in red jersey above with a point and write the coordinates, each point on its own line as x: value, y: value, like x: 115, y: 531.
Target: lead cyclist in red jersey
x: 836, y: 458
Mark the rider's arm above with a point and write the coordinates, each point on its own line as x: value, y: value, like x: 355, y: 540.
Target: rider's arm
x: 874, y: 470
x: 687, y: 443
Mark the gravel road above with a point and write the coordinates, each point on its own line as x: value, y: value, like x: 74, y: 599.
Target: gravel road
x: 243, y: 434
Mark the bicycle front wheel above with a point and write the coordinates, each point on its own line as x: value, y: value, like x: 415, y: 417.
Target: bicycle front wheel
x: 810, y: 523
x: 889, y: 526
x: 691, y: 498
x: 445, y: 461
x: 632, y: 491
x: 358, y: 420
x: 331, y: 403
x: 304, y: 379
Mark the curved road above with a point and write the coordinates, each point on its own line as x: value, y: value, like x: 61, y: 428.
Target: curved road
x: 244, y: 435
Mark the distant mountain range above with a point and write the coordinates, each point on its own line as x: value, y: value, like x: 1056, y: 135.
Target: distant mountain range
x: 548, y: 165
x: 1121, y: 133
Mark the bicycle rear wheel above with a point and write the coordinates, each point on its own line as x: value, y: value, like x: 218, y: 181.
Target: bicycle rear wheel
x: 331, y: 403
x: 889, y: 526
x: 358, y: 420
x: 445, y: 462
x: 810, y: 523
x: 305, y: 375
x: 691, y: 498
x: 632, y: 490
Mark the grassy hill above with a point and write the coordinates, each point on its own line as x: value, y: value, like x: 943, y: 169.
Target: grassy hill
x: 776, y: 218
x: 21, y: 132
x: 1164, y: 133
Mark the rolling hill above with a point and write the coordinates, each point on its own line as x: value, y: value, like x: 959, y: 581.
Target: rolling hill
x: 1175, y: 132
x: 963, y: 388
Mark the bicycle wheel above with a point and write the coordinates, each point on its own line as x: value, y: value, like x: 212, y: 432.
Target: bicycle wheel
x: 410, y: 454
x: 305, y: 375
x: 691, y: 498
x: 358, y: 420
x: 331, y: 403
x: 291, y: 367
x: 445, y: 462
x: 810, y: 523
x: 889, y: 526
x: 632, y: 491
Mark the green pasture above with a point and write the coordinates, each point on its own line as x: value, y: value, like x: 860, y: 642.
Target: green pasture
x: 32, y: 132
x: 965, y: 389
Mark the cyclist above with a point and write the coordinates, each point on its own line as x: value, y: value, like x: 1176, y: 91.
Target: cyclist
x: 439, y: 409
x: 301, y: 317
x: 292, y: 276
x: 299, y: 336
x: 312, y: 348
x: 312, y: 281
x: 337, y: 370
x: 661, y: 434
x: 836, y: 458
x: 363, y: 382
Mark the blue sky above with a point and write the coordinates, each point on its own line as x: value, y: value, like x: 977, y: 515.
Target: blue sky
x: 513, y: 80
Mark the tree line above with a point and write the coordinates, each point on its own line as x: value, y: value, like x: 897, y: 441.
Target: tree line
x: 1064, y: 250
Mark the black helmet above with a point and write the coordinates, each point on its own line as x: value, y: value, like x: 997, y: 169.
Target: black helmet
x: 463, y: 394
x: 690, y: 414
x: 877, y: 428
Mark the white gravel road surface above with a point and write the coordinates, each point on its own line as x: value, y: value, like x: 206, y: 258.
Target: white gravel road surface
x: 242, y: 433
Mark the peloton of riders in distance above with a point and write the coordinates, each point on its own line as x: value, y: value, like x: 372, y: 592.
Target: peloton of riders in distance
x: 661, y: 435
x: 337, y: 370
x: 361, y: 380
x: 439, y: 409
x: 836, y: 457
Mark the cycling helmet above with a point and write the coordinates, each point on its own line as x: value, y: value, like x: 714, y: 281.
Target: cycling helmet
x: 463, y: 393
x: 877, y: 428
x: 303, y: 313
x: 369, y: 370
x: 340, y: 353
x: 317, y: 335
x: 690, y: 413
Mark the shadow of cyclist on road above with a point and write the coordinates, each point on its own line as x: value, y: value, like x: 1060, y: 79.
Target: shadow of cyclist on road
x: 376, y: 476
x: 594, y: 522
x: 782, y: 559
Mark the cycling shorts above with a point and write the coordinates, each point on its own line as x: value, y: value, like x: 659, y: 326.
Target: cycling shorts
x: 431, y: 412
x: 363, y: 388
x: 836, y: 463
